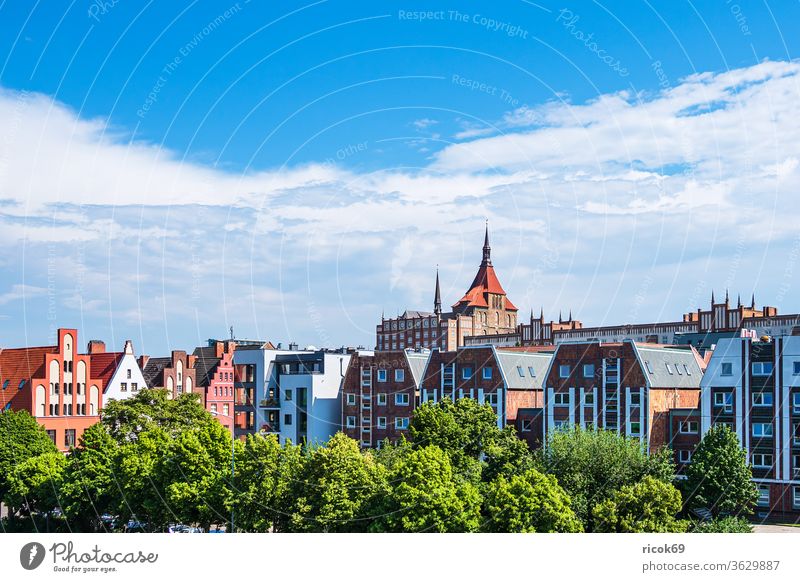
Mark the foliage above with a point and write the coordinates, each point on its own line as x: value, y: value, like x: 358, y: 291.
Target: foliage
x: 729, y: 524
x: 718, y: 477
x: 335, y: 486
x: 126, y: 419
x: 530, y: 502
x: 21, y: 438
x: 35, y: 482
x: 591, y: 464
x: 649, y: 506
x: 426, y: 496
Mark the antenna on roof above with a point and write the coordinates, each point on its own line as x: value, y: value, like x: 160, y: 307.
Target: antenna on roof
x: 231, y: 332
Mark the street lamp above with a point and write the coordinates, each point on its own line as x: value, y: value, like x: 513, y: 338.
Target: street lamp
x: 233, y: 454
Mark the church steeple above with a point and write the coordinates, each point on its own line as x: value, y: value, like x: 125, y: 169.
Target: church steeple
x: 437, y: 298
x: 487, y: 250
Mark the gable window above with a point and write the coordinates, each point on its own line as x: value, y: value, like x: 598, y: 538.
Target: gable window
x: 487, y: 373
x: 401, y: 399
x: 588, y: 398
x: 466, y: 372
x: 399, y: 375
x: 724, y: 400
x: 762, y: 398
x: 351, y: 399
x: 762, y: 368
x: 123, y: 386
x: 588, y: 370
x: 381, y: 375
x: 636, y: 399
x: 726, y: 369
x: 563, y: 371
x: 762, y: 429
x: 351, y: 422
x: 134, y: 387
x: 561, y: 399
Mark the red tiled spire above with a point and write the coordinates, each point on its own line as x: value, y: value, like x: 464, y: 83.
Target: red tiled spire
x: 485, y: 282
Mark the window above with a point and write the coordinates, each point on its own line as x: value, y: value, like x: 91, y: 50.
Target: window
x: 381, y: 422
x: 796, y: 497
x: 636, y: 429
x: 134, y: 387
x: 796, y: 402
x: 351, y: 399
x: 762, y: 398
x: 466, y: 372
x: 69, y: 437
x: 763, y: 495
x: 762, y: 460
x: 669, y: 368
x: 351, y: 422
x: 487, y: 373
x: 123, y: 386
x: 649, y: 369
x: 401, y: 399
x: 401, y: 423
x: 724, y: 399
x: 213, y: 409
x: 381, y: 375
x: 287, y: 395
x: 52, y: 435
x: 129, y: 373
x: 796, y: 372
x: 559, y: 424
x: 287, y: 419
x: 688, y: 427
x: 21, y: 384
x: 531, y: 371
x: 635, y: 399
x: 726, y: 369
x: 762, y: 368
x: 561, y: 399
x: 762, y: 430
x: 588, y: 398
x: 527, y: 424
x: 686, y: 369
x: 381, y: 399
x: 399, y: 375
x: 588, y: 370
x: 684, y: 456
x: 563, y: 371
x: 226, y: 409
x: 520, y: 371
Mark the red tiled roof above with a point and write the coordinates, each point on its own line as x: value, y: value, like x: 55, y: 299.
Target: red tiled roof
x: 485, y: 281
x: 103, y: 366
x: 20, y: 364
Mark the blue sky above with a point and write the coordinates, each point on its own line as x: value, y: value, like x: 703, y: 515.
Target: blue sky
x: 168, y: 170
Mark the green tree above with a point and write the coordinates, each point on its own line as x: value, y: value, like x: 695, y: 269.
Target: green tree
x: 21, y: 438
x: 90, y: 487
x: 649, y: 506
x: 126, y: 419
x: 426, y: 496
x: 530, y: 502
x: 265, y: 472
x: 718, y: 478
x: 334, y: 489
x: 506, y: 455
x: 591, y: 464
x: 34, y: 484
x: 729, y: 524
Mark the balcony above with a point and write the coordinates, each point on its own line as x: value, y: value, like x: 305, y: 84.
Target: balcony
x: 270, y: 428
x: 269, y: 403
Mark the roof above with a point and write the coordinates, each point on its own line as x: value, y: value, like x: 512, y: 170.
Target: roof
x: 409, y: 314
x: 485, y: 281
x: 670, y: 367
x: 103, y: 366
x: 153, y: 371
x: 205, y: 365
x: 417, y: 362
x: 21, y: 364
x: 516, y: 367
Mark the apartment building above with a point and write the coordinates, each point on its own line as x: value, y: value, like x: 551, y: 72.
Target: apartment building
x: 174, y: 373
x: 753, y: 386
x: 379, y: 394
x: 214, y: 373
x: 624, y: 387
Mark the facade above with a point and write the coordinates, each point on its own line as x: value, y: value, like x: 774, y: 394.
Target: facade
x: 119, y: 371
x: 484, y: 310
x: 753, y: 386
x: 214, y: 373
x: 536, y: 332
x: 175, y: 373
x: 379, y: 394
x: 54, y: 384
x: 624, y: 387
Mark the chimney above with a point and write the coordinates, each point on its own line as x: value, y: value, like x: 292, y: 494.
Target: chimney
x: 219, y: 349
x: 128, y: 347
x: 96, y: 347
x: 143, y: 361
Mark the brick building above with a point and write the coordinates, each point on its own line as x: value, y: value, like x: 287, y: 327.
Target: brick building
x: 56, y: 384
x: 753, y: 386
x: 484, y: 310
x: 175, y: 373
x: 214, y: 373
x: 624, y: 387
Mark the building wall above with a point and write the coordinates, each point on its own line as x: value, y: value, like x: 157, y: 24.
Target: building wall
x: 129, y: 374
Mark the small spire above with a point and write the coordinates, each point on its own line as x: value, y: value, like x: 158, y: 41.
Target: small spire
x: 487, y: 250
x: 727, y: 299
x: 739, y: 300
x: 541, y: 314
x: 570, y: 316
x: 531, y: 313
x: 437, y: 298
x: 753, y: 302
x: 712, y: 297
x: 560, y: 319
